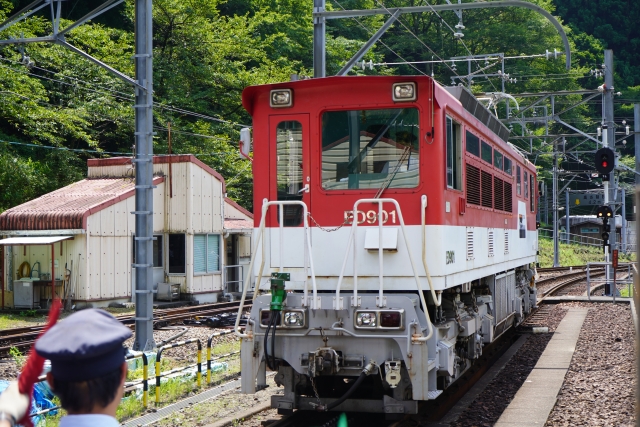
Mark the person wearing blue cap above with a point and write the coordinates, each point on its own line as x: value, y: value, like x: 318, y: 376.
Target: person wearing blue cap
x: 88, y: 370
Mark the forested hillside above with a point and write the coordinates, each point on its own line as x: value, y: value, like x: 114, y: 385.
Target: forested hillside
x: 57, y: 109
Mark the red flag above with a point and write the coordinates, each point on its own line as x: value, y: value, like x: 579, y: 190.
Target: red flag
x: 33, y: 368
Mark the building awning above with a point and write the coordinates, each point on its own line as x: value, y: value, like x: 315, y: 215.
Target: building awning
x: 32, y: 241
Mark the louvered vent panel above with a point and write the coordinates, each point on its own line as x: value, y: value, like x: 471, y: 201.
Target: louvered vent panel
x: 470, y: 255
x: 473, y: 185
x: 487, y: 193
x: 508, y: 194
x: 506, y: 241
x: 490, y: 242
x: 498, y: 187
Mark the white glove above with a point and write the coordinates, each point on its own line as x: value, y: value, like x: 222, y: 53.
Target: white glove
x: 13, y: 403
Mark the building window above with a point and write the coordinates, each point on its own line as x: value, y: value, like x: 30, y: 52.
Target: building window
x: 157, y: 250
x: 473, y: 144
x: 497, y: 159
x: 526, y: 185
x: 177, y: 254
x: 370, y: 149
x: 589, y: 230
x: 507, y: 165
x: 453, y: 155
x: 486, y: 152
x: 518, y: 183
x: 206, y: 253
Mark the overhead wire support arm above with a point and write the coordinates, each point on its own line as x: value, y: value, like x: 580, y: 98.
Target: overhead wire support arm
x: 355, y: 58
x: 101, y: 64
x: 95, y: 12
x: 454, y: 7
x: 23, y: 13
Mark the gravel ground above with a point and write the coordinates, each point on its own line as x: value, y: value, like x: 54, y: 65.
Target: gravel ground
x: 187, y: 353
x: 489, y: 405
x: 598, y: 390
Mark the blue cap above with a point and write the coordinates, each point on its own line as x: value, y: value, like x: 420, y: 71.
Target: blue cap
x: 84, y: 346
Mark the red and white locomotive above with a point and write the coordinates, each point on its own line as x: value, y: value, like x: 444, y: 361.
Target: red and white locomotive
x: 400, y: 224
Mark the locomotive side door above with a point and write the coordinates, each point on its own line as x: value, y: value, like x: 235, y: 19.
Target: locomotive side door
x: 290, y: 180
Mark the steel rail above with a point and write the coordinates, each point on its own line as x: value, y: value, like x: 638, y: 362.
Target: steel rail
x: 23, y: 338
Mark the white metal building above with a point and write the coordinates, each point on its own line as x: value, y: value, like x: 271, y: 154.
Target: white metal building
x: 198, y: 232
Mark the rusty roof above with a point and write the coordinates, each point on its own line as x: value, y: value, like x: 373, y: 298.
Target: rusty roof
x: 237, y: 224
x: 69, y: 207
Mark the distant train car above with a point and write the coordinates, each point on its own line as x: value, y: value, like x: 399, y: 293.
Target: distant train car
x: 395, y: 228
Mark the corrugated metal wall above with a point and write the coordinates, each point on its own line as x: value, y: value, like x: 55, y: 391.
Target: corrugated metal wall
x: 195, y: 208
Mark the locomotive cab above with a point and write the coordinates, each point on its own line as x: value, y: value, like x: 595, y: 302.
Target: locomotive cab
x: 394, y: 232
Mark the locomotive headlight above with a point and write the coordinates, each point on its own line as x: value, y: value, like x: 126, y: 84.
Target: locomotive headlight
x: 367, y: 319
x: 293, y: 319
x: 404, y: 92
x: 281, y: 98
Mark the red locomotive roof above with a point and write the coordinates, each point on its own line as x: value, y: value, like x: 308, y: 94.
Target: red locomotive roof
x: 69, y: 207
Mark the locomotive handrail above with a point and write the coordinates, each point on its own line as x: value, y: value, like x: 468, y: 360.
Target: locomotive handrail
x: 423, y: 202
x: 308, y: 258
x: 352, y: 237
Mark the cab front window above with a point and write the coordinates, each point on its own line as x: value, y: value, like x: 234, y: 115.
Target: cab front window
x: 370, y: 149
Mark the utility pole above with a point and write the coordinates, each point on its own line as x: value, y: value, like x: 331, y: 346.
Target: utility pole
x: 567, y: 223
x: 546, y: 204
x: 608, y: 132
x: 144, y: 176
x: 623, y: 232
x: 636, y: 139
x: 319, y: 35
x: 554, y: 207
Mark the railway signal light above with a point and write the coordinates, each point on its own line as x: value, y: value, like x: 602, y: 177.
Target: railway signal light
x: 605, y: 213
x: 604, y: 162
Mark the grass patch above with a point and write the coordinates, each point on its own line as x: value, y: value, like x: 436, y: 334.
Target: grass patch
x: 572, y: 254
x: 21, y: 319
x: 626, y: 292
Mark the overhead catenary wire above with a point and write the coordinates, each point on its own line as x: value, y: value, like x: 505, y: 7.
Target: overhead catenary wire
x: 380, y: 41
x: 417, y: 38
x: 119, y: 95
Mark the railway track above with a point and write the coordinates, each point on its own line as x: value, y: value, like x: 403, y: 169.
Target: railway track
x: 560, y: 269
x: 23, y: 338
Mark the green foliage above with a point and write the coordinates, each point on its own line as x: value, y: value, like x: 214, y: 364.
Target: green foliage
x: 614, y: 23
x: 573, y: 254
x: 17, y: 356
x: 207, y: 51
x: 28, y: 313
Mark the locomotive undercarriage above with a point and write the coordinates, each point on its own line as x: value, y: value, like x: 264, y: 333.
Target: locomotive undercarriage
x: 385, y: 369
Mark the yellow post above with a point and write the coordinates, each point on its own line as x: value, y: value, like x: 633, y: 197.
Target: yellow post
x: 208, y: 365
x: 158, y: 380
x: 145, y: 381
x: 199, y: 374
